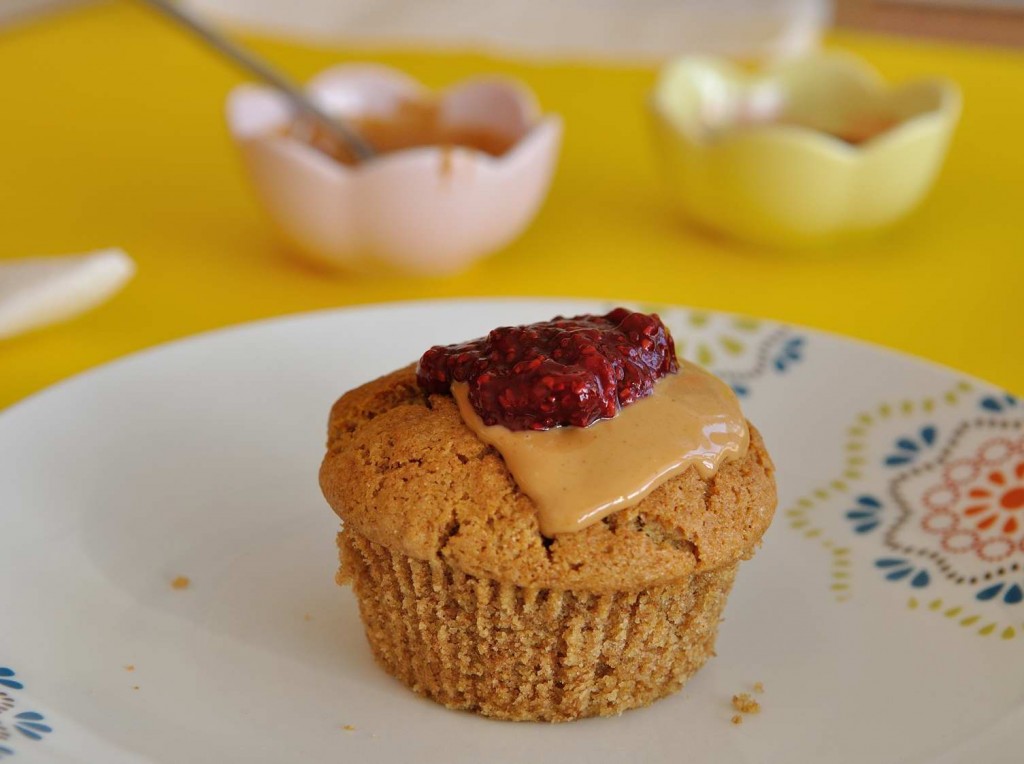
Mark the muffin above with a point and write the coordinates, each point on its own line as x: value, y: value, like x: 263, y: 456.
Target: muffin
x: 562, y: 587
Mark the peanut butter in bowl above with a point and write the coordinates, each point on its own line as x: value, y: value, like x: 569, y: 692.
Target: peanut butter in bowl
x: 802, y: 154
x: 413, y: 124
x: 459, y: 173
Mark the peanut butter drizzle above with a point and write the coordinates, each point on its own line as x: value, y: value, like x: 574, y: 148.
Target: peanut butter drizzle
x: 577, y: 475
x: 413, y: 124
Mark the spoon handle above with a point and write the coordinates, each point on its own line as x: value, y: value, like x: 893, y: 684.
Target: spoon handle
x: 264, y: 71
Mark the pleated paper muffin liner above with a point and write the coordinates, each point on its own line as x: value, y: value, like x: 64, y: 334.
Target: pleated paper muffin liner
x: 520, y: 653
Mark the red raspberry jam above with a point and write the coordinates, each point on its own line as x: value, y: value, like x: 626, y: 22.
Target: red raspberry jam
x: 568, y: 371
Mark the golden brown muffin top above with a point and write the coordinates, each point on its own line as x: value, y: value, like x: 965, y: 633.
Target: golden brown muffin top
x: 403, y: 470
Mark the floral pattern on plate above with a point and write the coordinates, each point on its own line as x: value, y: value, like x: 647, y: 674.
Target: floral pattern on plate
x: 739, y: 349
x: 933, y: 495
x: 17, y: 725
x: 859, y: 435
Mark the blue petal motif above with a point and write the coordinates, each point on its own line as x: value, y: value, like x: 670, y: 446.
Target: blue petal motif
x: 780, y: 354
x: 990, y: 593
x: 895, y: 461
x: 790, y: 352
x: 5, y: 751
x: 1013, y: 595
x: 5, y: 681
x: 27, y: 723
x: 908, y: 448
x: 998, y: 403
x: 900, y: 568
x: 865, y: 517
x: 888, y: 562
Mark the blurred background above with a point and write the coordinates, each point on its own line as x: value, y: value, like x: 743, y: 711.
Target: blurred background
x: 113, y: 135
x: 603, y: 27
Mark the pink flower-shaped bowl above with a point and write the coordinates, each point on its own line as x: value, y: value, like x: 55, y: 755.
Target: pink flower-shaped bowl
x: 431, y: 210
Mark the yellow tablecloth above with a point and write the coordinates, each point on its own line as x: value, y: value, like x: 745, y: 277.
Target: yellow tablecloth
x: 111, y: 133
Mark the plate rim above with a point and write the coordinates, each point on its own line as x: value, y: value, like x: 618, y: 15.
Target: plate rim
x: 284, y: 318
x: 293, y: 322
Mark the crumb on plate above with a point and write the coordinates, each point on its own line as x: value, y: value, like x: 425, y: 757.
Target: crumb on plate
x: 349, y: 728
x: 745, y: 703
x: 737, y: 719
x: 181, y: 582
x: 130, y: 667
x: 135, y: 687
x: 758, y: 686
x: 307, y: 617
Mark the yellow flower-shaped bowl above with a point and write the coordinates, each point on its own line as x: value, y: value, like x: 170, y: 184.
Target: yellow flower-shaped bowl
x: 806, y: 152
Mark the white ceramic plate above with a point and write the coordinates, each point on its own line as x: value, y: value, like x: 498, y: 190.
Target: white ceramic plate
x: 883, y: 614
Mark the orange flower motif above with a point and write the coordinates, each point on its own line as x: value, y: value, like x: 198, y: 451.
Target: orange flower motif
x: 979, y: 504
x: 999, y: 503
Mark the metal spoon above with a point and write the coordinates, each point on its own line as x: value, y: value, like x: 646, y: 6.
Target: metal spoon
x: 264, y: 71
